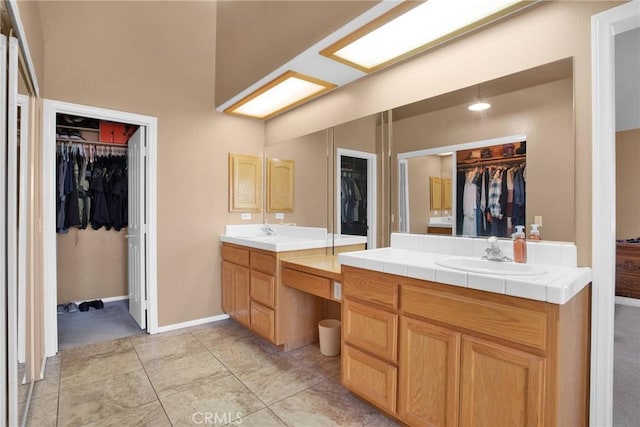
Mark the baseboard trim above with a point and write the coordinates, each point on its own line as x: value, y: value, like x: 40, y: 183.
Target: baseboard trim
x: 108, y: 299
x: 195, y: 322
x: 633, y: 302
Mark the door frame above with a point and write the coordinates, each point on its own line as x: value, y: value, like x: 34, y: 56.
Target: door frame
x: 23, y: 201
x: 50, y: 109
x: 372, y: 192
x: 604, y: 27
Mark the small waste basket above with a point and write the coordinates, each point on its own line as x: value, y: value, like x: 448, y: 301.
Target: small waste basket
x: 329, y: 331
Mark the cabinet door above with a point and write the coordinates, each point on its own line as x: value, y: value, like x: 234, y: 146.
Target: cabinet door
x: 447, y: 193
x: 371, y: 329
x: 370, y: 377
x: 241, y: 280
x: 435, y: 191
x: 263, y: 320
x: 227, y: 288
x: 500, y: 386
x: 429, y: 374
x: 280, y: 185
x: 263, y: 288
x: 245, y: 183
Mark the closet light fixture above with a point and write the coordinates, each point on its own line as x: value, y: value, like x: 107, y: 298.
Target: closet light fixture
x: 414, y: 26
x: 479, y: 106
x: 286, y: 91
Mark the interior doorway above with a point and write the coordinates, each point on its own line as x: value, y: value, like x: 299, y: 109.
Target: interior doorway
x: 356, y: 189
x: 137, y: 227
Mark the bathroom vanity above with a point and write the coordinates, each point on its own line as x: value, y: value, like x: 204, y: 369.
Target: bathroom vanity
x: 438, y: 346
x: 253, y: 292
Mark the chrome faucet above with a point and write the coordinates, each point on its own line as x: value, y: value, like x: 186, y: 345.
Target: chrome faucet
x: 266, y: 229
x: 493, y: 252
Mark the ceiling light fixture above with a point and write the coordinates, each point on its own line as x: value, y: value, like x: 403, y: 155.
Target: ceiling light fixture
x: 412, y: 27
x: 479, y: 106
x: 282, y: 93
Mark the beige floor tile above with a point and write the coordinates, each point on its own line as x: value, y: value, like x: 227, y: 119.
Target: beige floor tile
x: 213, y: 336
x: 262, y: 418
x: 51, y: 382
x: 171, y: 372
x: 310, y: 355
x: 151, y: 415
x: 96, y: 401
x: 143, y: 338
x: 120, y: 345
x: 168, y: 347
x: 97, y: 368
x: 324, y: 404
x: 220, y: 325
x: 220, y: 402
x: 43, y: 412
x: 277, y: 378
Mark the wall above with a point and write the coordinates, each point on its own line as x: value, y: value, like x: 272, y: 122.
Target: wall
x: 544, y: 113
x: 158, y: 59
x: 92, y: 264
x: 420, y: 169
x: 30, y: 16
x: 627, y: 188
x: 310, y: 154
x: 544, y: 33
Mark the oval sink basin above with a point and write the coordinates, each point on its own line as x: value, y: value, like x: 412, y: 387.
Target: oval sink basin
x: 476, y: 265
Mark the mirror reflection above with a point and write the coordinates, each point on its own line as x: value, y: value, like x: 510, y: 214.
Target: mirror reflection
x: 535, y: 106
x: 297, y: 191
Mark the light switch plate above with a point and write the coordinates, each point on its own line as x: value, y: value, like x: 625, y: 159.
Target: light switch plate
x: 245, y: 216
x: 279, y: 215
x: 538, y: 220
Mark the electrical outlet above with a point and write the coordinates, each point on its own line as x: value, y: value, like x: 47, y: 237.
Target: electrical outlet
x: 337, y: 290
x: 538, y: 220
x: 245, y: 216
x: 279, y: 215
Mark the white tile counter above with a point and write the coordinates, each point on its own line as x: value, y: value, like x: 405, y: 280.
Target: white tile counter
x: 415, y: 256
x: 286, y: 238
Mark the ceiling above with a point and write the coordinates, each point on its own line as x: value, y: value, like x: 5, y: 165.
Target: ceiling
x: 253, y: 38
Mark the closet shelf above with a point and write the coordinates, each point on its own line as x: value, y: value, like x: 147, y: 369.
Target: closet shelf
x: 74, y: 141
x: 519, y: 158
x: 78, y: 128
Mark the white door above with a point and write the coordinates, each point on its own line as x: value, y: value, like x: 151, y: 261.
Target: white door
x: 136, y: 238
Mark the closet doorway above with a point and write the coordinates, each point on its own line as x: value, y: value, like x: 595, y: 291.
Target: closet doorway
x: 137, y: 224
x: 356, y: 194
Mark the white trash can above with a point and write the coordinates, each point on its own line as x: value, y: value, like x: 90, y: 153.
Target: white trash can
x: 329, y: 331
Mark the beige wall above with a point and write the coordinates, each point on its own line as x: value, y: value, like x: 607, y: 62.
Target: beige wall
x: 92, y: 264
x: 627, y: 188
x: 544, y: 113
x: 31, y: 20
x: 420, y: 169
x: 545, y: 33
x: 310, y: 154
x: 157, y: 59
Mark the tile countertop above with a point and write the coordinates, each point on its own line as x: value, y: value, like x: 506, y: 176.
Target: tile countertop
x: 558, y: 285
x: 287, y: 238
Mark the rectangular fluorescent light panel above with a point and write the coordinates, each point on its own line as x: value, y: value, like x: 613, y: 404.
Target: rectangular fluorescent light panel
x: 378, y: 43
x: 282, y: 93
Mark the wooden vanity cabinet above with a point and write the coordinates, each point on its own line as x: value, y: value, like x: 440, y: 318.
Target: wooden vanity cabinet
x: 254, y: 295
x: 464, y: 357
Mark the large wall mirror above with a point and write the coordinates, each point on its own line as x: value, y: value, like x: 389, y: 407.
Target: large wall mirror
x: 529, y: 127
x: 298, y: 192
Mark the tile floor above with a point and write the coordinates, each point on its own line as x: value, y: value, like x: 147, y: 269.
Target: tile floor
x: 209, y: 375
x: 626, y: 367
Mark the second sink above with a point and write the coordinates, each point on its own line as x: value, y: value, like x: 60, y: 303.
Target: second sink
x: 491, y: 267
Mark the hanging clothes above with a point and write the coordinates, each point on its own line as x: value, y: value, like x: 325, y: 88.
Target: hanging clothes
x: 469, y: 225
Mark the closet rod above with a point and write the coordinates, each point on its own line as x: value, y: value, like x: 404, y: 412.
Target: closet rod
x: 110, y: 144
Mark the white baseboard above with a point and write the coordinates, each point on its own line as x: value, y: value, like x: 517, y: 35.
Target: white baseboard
x: 633, y: 302
x: 108, y: 299
x: 192, y: 323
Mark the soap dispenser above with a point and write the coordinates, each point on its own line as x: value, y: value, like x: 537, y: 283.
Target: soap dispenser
x: 535, y: 233
x: 519, y: 245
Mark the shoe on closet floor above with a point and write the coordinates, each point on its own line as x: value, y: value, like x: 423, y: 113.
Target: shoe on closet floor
x: 97, y: 304
x: 61, y: 308
x: 84, y: 306
x: 72, y: 307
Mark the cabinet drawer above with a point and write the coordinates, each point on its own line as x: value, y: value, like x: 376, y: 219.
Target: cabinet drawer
x: 262, y: 320
x: 371, y: 329
x: 513, y: 323
x: 371, y: 287
x: 263, y: 262
x: 370, y: 377
x: 316, y: 285
x: 262, y: 288
x: 235, y: 255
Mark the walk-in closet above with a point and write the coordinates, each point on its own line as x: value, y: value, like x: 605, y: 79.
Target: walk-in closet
x: 92, y: 217
x: 491, y: 190
x: 353, y: 196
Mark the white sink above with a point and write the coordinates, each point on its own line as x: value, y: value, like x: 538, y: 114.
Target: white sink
x: 476, y: 265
